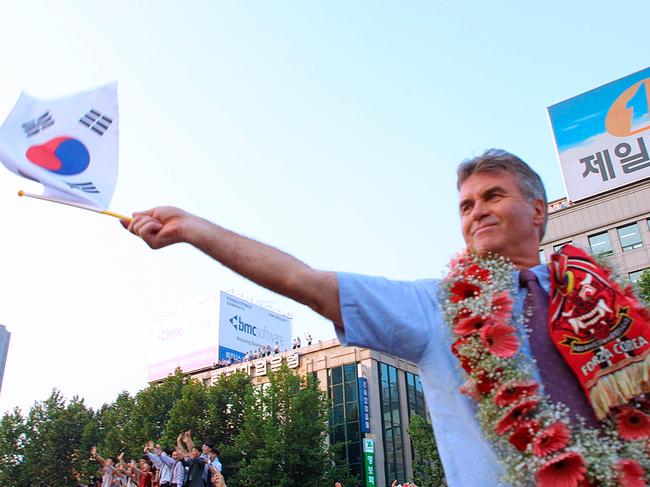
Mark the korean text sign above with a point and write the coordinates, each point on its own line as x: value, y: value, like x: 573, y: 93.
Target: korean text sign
x: 603, y: 136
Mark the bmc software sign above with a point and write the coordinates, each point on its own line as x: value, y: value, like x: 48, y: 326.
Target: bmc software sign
x: 244, y: 326
x: 602, y: 136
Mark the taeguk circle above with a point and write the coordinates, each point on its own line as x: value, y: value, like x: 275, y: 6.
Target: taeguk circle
x: 61, y: 155
x: 73, y: 155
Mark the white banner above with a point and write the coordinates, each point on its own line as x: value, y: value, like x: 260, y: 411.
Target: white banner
x: 244, y: 326
x: 69, y: 145
x: 186, y: 338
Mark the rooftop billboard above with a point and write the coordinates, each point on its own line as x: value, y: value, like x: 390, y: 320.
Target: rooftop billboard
x: 245, y: 326
x: 602, y: 136
x: 199, y: 334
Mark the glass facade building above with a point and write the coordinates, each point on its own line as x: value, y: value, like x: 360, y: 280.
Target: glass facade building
x: 392, y: 393
x: 391, y: 421
x: 344, y: 424
x: 614, y: 224
x: 4, y: 350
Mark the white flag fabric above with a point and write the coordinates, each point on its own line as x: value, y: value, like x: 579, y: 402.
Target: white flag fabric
x: 69, y: 145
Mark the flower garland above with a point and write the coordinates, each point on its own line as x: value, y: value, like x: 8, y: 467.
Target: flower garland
x: 534, y: 437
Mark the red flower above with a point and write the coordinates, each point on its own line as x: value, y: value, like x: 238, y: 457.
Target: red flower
x: 462, y: 290
x: 469, y: 325
x: 515, y: 415
x: 500, y: 340
x: 477, y: 272
x: 551, y: 439
x: 565, y: 470
x: 632, y: 424
x: 524, y: 434
x: 630, y: 474
x: 458, y: 259
x: 502, y: 306
x: 515, y: 390
x: 485, y: 383
x: 466, y: 363
x: 462, y: 313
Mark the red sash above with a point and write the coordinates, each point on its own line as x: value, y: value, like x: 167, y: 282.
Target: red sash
x: 602, y: 332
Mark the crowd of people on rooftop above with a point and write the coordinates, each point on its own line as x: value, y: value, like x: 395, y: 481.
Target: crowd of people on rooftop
x: 261, y: 352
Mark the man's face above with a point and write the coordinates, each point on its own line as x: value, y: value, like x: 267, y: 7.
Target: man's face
x: 205, y: 449
x: 195, y: 453
x: 176, y: 455
x: 497, y: 217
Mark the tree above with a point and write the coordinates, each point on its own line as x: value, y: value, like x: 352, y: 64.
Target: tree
x: 226, y: 416
x: 53, y: 441
x: 427, y: 465
x: 152, y: 407
x: 115, y: 428
x: 283, y: 438
x: 189, y: 412
x: 643, y: 287
x: 12, y: 449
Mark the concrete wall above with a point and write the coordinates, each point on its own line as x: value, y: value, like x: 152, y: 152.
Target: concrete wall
x: 601, y: 213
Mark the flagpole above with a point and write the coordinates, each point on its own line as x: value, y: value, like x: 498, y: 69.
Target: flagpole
x: 76, y: 205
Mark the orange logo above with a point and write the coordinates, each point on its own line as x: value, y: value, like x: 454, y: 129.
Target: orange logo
x: 629, y: 115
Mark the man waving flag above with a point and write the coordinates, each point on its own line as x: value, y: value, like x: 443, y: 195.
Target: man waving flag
x: 69, y: 145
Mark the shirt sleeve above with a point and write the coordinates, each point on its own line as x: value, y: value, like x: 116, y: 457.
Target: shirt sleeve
x: 167, y: 460
x: 397, y: 317
x: 155, y: 459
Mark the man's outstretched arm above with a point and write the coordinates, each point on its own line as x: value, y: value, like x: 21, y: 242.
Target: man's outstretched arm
x: 261, y: 263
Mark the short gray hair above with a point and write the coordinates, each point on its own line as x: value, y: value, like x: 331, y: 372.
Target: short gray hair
x: 496, y: 160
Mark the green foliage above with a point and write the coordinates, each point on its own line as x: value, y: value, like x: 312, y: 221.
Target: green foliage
x: 12, y: 449
x: 53, y: 439
x: 283, y: 437
x: 271, y: 435
x: 115, y: 426
x: 152, y: 407
x: 427, y: 465
x: 189, y: 412
x: 642, y: 286
x: 226, y: 416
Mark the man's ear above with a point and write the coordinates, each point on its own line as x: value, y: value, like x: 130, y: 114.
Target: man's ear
x: 539, y: 215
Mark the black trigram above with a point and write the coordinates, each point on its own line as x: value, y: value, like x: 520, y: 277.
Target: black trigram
x: 88, y: 187
x: 39, y: 124
x: 95, y: 121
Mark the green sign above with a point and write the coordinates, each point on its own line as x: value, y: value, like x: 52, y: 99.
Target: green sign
x: 369, y: 461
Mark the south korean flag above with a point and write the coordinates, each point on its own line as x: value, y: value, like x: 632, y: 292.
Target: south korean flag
x: 69, y: 145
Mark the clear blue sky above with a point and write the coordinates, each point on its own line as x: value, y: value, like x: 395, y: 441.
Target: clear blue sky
x: 329, y: 129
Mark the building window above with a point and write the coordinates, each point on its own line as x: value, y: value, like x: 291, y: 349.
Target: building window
x: 415, y: 395
x: 556, y: 248
x: 600, y: 244
x: 630, y: 237
x: 343, y: 390
x: 391, y: 422
x: 634, y: 276
x: 542, y: 256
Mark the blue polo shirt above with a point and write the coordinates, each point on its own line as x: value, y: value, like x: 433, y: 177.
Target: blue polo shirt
x: 404, y: 318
